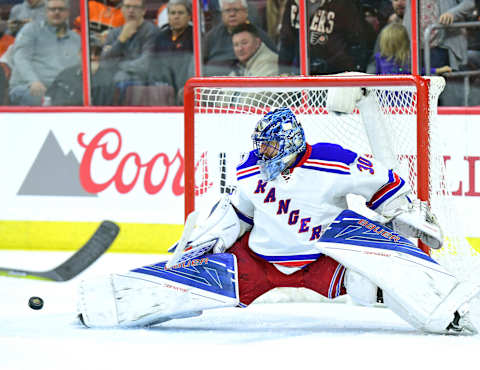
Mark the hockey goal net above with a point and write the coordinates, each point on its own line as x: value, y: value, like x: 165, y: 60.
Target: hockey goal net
x: 220, y: 114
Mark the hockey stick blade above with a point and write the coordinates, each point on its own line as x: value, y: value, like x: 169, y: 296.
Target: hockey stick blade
x: 187, y: 231
x: 100, y: 241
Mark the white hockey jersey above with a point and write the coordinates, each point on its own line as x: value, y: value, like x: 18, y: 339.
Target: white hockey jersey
x: 288, y: 214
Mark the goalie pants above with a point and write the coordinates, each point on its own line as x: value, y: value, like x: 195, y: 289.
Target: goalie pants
x: 257, y: 276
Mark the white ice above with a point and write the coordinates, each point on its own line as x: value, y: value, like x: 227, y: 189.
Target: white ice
x: 280, y: 336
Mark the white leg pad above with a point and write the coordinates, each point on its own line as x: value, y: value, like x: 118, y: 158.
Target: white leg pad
x: 412, y: 291
x: 96, y: 302
x: 130, y: 300
x: 153, y: 294
x: 360, y: 289
x: 414, y: 286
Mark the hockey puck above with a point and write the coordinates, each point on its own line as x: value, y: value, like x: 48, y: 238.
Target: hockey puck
x: 35, y: 303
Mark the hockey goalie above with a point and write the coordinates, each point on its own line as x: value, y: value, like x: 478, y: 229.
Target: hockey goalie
x: 287, y: 224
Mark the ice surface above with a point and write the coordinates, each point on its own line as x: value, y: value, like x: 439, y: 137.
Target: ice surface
x: 271, y: 336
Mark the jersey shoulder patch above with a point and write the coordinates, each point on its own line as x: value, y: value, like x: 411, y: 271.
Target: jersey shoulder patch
x: 329, y: 157
x: 248, y: 165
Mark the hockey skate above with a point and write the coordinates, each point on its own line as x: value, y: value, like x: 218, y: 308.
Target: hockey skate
x: 467, y: 318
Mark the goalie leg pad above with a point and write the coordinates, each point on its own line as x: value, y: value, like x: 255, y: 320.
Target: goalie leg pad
x: 414, y: 285
x: 152, y: 294
x: 360, y: 289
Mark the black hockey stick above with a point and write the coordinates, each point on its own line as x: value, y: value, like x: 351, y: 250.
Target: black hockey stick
x: 79, y: 261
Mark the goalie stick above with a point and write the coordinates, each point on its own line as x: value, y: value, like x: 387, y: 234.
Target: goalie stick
x: 179, y: 254
x: 79, y: 261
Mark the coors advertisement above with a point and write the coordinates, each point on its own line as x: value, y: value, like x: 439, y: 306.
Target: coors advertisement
x: 130, y: 167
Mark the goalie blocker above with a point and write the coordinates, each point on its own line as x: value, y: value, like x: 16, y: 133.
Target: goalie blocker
x: 414, y: 286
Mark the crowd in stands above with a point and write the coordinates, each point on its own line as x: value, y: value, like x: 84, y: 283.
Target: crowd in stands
x: 142, y: 51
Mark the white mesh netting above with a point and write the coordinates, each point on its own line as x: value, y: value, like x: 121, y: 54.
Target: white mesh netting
x: 225, y: 117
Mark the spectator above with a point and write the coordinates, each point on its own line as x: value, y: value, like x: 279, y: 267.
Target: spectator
x: 126, y: 55
x: 67, y: 88
x: 474, y: 41
x: 398, y: 7
x: 371, y: 17
x: 218, y: 53
x: 381, y: 8
x: 447, y: 46
x: 177, y: 34
x: 338, y: 37
x: 42, y: 50
x: 254, y: 58
x: 174, y: 46
x: 394, y: 54
x: 20, y: 14
x: 274, y: 15
x: 211, y: 14
x: 5, y: 42
x: 374, y: 25
x: 5, y: 39
x: 102, y: 16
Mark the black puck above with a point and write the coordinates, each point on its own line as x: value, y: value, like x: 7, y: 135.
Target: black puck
x: 35, y: 303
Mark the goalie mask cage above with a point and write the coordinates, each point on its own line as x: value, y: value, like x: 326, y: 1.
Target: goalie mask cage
x: 220, y: 115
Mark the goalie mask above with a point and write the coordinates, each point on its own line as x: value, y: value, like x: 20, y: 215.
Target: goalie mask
x: 277, y: 138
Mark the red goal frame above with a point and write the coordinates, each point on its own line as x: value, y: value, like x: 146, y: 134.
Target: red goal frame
x: 421, y: 84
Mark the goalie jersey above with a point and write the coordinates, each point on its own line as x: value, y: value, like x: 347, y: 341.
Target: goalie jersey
x: 289, y: 213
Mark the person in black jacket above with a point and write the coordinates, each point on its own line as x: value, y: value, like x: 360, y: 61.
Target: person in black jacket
x: 339, y: 39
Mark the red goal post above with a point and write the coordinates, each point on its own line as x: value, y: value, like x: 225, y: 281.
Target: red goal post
x: 220, y: 113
